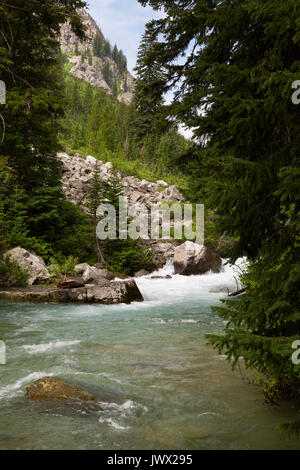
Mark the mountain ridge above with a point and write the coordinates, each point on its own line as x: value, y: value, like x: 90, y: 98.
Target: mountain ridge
x: 94, y: 61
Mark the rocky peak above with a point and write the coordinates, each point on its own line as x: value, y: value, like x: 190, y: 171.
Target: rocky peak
x: 102, y: 69
x: 70, y: 43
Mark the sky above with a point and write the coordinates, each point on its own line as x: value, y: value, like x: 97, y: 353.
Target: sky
x: 123, y: 23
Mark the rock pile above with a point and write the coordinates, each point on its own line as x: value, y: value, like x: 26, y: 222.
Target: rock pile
x: 77, y: 174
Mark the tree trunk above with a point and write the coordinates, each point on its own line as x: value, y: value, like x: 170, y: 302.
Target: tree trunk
x: 235, y: 294
x: 101, y: 259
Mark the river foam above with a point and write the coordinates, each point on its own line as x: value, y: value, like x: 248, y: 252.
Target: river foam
x: 41, y: 348
x: 179, y: 288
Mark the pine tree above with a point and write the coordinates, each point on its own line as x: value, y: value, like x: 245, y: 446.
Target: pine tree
x: 115, y: 55
x: 95, y: 197
x: 98, y: 45
x: 107, y: 49
x: 31, y: 67
x: 149, y: 90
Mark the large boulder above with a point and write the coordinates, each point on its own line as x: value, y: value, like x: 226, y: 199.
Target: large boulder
x: 34, y: 265
x: 81, y: 268
x: 51, y: 388
x: 97, y: 276
x: 192, y: 258
x: 104, y: 272
x: 115, y: 293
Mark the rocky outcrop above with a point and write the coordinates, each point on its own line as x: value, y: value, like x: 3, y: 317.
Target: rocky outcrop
x: 91, y: 68
x: 52, y: 388
x: 91, y: 71
x: 107, y: 294
x: 30, y: 263
x: 77, y: 174
x: 69, y: 42
x: 191, y: 258
x: 145, y: 192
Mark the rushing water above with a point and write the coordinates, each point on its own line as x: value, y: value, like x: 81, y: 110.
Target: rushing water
x: 162, y: 387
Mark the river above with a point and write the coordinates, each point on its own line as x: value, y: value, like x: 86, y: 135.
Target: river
x: 165, y: 388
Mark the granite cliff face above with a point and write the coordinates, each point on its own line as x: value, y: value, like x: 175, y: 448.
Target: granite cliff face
x: 100, y: 70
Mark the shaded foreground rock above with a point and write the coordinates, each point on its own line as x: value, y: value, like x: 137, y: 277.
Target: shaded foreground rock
x: 52, y: 388
x: 191, y: 258
x: 32, y: 264
x: 111, y: 293
x: 70, y: 284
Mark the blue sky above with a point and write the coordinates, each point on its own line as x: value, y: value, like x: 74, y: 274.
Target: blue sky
x: 123, y: 23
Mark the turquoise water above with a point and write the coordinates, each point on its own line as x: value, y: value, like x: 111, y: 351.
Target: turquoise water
x: 162, y: 387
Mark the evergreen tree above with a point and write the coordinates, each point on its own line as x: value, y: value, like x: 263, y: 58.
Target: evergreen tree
x: 107, y: 49
x: 95, y: 198
x: 149, y: 90
x: 115, y: 55
x: 98, y: 45
x: 107, y: 74
x: 31, y: 67
x: 115, y: 91
x: 238, y: 60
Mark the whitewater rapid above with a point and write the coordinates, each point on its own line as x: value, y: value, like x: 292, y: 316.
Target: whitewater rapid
x: 179, y: 288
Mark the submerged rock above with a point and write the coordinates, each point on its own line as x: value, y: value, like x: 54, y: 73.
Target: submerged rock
x: 52, y: 388
x: 191, y: 258
x: 34, y: 265
x: 168, y: 276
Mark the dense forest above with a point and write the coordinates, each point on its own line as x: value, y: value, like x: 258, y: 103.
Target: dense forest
x: 232, y: 65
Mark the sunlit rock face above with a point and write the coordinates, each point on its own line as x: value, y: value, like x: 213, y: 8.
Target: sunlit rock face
x: 192, y: 258
x: 91, y: 70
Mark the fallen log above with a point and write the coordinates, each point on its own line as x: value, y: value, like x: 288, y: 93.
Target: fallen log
x: 239, y: 292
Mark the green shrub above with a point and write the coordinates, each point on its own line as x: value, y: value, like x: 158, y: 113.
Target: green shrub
x: 11, y: 274
x: 63, y: 266
x: 127, y: 257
